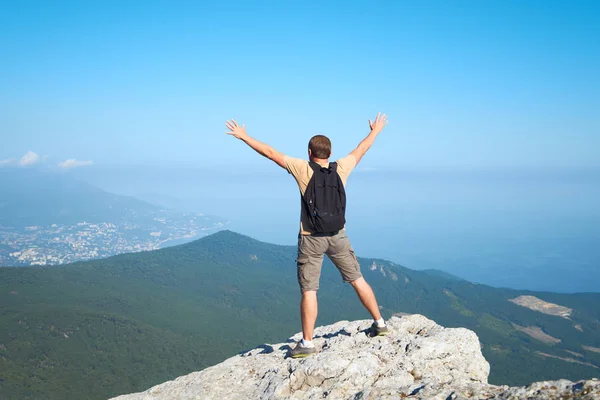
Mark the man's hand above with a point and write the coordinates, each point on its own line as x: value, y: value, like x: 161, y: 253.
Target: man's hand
x: 376, y: 127
x: 261, y: 148
x: 380, y: 123
x: 236, y: 130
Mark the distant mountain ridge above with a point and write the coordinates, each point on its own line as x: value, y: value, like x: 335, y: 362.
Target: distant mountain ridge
x: 140, y: 319
x: 441, y: 274
x: 32, y: 196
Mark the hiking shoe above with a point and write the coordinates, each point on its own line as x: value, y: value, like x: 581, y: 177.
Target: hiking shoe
x: 379, y: 330
x: 300, y: 351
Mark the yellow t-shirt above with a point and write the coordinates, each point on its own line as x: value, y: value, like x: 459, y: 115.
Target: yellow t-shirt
x: 302, y: 172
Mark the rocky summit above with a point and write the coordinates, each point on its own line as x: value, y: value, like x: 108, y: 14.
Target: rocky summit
x: 419, y: 359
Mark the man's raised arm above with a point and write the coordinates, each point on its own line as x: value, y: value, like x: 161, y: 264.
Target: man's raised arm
x: 261, y: 148
x: 376, y: 128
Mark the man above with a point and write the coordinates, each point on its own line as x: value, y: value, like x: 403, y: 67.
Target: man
x: 326, y: 235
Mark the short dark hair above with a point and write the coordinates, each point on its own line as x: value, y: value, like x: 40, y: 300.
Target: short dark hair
x: 320, y: 146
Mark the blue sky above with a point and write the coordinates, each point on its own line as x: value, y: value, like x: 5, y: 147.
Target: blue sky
x: 464, y: 83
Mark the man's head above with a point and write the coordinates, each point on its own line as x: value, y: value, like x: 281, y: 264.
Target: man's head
x: 319, y: 146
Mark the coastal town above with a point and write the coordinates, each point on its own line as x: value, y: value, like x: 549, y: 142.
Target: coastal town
x: 61, y: 244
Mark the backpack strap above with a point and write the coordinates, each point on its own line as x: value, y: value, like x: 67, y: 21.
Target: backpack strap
x: 317, y: 167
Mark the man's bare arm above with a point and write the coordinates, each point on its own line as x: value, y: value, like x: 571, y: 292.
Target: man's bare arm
x: 261, y: 148
x: 376, y: 128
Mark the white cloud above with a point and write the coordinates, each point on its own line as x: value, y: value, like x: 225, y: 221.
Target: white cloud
x: 72, y: 163
x: 7, y: 161
x: 29, y: 158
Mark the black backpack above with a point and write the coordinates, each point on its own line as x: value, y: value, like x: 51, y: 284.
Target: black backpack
x: 324, y: 201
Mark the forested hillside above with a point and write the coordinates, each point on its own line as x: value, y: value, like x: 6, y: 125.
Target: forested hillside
x: 120, y: 325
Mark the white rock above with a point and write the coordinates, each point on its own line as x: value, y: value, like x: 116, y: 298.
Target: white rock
x: 418, y: 359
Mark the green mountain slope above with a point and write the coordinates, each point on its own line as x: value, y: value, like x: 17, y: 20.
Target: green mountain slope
x: 123, y: 324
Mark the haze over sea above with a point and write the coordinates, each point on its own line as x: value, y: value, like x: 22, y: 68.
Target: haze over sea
x: 530, y: 229
x: 488, y: 168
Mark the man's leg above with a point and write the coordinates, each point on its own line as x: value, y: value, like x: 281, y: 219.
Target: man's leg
x: 342, y: 255
x: 309, y: 261
x: 308, y: 311
x: 367, y: 297
x: 308, y: 314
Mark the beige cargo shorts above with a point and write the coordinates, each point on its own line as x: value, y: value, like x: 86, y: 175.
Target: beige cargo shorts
x: 310, y: 258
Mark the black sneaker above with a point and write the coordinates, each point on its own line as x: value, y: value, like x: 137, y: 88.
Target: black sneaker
x: 300, y: 351
x: 379, y: 330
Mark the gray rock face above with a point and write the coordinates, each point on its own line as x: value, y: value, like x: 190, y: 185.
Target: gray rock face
x: 418, y: 359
